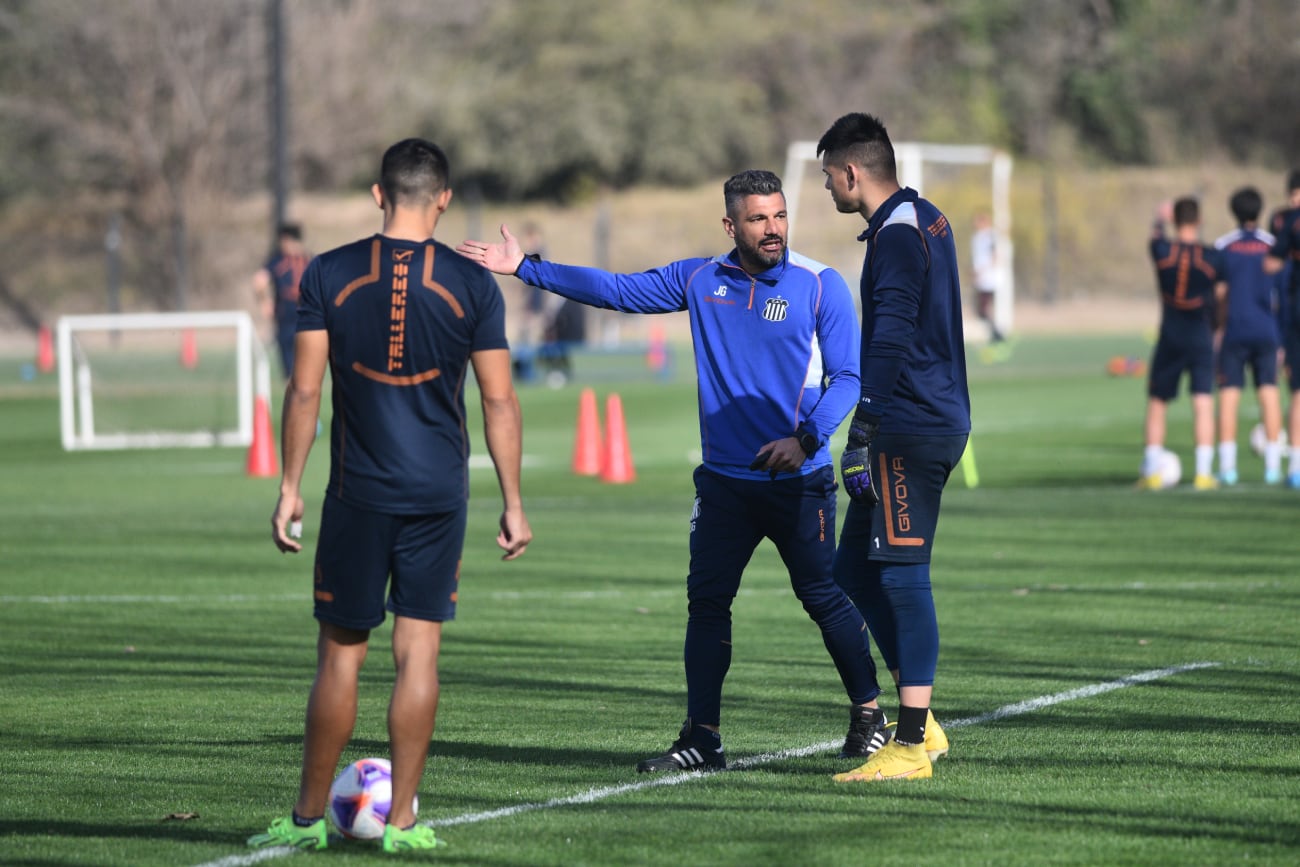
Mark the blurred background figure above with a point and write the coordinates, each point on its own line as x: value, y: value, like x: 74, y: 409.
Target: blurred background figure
x: 276, y: 288
x: 984, y: 261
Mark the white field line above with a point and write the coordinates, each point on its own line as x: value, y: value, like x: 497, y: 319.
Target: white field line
x: 582, y: 595
x: 593, y: 795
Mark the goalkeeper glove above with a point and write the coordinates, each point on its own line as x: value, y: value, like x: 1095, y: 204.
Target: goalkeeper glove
x: 855, y: 463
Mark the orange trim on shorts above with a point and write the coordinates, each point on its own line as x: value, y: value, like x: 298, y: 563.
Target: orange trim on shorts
x: 891, y: 491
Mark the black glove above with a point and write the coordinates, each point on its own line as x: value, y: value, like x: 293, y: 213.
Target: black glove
x: 855, y: 463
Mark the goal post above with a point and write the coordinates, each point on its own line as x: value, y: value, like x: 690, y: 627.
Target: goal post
x: 912, y: 159
x: 159, y: 380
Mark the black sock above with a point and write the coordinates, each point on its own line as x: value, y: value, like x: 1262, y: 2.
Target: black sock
x: 911, y: 725
x: 304, y: 823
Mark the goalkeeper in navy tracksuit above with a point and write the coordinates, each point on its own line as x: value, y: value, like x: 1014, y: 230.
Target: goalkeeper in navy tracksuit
x: 776, y: 351
x: 908, y: 431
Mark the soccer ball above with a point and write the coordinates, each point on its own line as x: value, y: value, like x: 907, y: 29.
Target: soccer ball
x: 1258, y: 439
x: 360, y: 798
x: 1169, y: 468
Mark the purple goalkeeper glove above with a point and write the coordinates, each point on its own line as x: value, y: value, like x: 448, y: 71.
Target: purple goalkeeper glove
x: 855, y: 463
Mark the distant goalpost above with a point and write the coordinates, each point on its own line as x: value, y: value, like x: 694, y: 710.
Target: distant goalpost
x: 159, y: 380
x: 912, y: 158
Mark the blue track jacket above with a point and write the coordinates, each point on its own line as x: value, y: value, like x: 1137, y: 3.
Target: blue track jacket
x: 772, y: 352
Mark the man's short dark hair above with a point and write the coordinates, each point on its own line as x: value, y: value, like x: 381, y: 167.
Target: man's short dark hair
x: 289, y: 230
x: 1246, y: 204
x: 861, y: 139
x: 1187, y: 211
x: 754, y: 182
x: 414, y: 171
x: 1293, y: 181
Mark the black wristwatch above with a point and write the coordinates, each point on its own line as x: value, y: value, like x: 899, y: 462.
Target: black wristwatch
x: 807, y: 441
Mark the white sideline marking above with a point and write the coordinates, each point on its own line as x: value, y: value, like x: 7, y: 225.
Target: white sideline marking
x: 593, y: 795
x: 609, y: 593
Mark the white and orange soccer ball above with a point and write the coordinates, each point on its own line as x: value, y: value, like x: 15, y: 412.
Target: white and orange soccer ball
x: 360, y: 798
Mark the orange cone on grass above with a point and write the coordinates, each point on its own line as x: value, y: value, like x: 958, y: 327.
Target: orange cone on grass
x: 617, y: 467
x: 586, y: 444
x: 261, y: 453
x: 44, y: 350
x: 189, y: 349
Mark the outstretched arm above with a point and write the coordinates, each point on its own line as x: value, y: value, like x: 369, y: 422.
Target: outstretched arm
x: 503, y: 429
x: 502, y: 258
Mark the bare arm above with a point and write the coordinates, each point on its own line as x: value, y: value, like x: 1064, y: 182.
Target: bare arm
x: 503, y: 430
x: 298, y: 431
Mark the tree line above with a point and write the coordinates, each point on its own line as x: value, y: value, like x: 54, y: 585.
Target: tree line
x: 159, y: 110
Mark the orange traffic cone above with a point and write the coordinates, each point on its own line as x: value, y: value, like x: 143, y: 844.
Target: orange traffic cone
x: 586, y: 445
x: 44, y: 350
x: 261, y: 453
x: 617, y: 467
x: 189, y: 350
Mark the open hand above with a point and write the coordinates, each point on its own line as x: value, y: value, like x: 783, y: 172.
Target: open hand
x: 502, y: 258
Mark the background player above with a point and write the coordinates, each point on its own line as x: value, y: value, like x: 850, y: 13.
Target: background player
x: 1284, y: 259
x: 984, y: 268
x: 398, y: 317
x: 1250, y: 337
x: 909, y: 429
x: 1188, y: 275
x: 776, y: 342
x: 276, y: 286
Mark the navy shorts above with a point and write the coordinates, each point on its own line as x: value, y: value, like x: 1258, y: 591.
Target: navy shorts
x: 910, y: 473
x: 1260, y: 356
x: 358, y: 552
x: 1172, y: 357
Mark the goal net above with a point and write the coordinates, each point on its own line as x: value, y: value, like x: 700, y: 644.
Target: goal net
x: 962, y: 179
x: 159, y: 380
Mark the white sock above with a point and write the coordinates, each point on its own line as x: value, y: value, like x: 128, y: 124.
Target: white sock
x: 1228, y: 456
x: 1273, y: 458
x: 1151, y: 460
x: 1204, y: 460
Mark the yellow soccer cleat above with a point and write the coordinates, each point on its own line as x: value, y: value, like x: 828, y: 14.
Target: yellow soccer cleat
x: 1205, y: 483
x: 893, y: 761
x: 936, y: 742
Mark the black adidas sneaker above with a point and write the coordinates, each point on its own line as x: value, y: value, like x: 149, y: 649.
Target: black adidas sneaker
x: 867, y: 733
x: 696, y: 749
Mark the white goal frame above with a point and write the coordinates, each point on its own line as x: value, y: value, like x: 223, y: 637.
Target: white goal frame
x: 911, y: 158
x: 76, y: 397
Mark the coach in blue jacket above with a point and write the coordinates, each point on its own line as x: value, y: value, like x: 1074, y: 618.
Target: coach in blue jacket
x: 776, y: 352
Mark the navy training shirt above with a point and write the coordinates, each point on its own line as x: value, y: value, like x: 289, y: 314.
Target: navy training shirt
x: 1252, y: 302
x: 403, y: 318
x: 1185, y: 275
x: 913, y: 349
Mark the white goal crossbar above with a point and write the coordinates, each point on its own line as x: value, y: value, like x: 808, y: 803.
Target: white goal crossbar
x: 911, y: 158
x: 76, y: 380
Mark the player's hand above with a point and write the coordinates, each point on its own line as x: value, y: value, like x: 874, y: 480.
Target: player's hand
x: 502, y: 258
x: 780, y: 456
x: 855, y: 463
x: 515, y: 533
x: 286, y: 523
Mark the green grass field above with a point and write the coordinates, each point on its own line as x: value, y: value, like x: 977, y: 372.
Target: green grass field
x: 1119, y: 669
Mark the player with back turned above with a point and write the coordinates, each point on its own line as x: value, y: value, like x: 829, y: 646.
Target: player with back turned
x: 1250, y: 336
x: 1284, y: 259
x: 399, y: 318
x: 1189, y: 277
x: 908, y: 432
